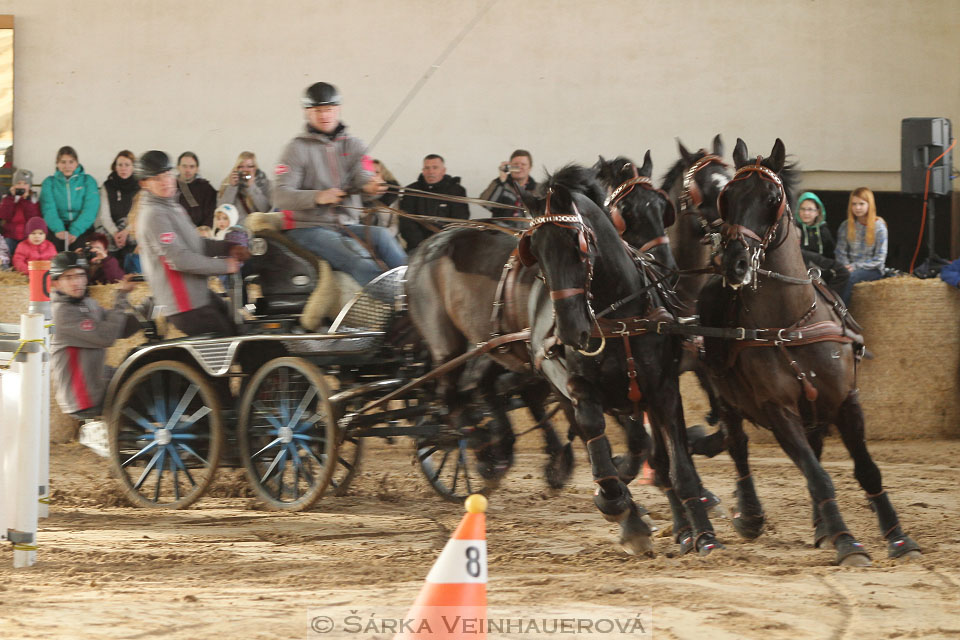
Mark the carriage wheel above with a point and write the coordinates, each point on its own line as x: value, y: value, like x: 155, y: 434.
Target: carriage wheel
x: 450, y: 468
x: 165, y: 435
x: 288, y: 435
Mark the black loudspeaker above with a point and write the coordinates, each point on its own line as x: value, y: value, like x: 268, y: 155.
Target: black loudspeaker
x: 922, y: 140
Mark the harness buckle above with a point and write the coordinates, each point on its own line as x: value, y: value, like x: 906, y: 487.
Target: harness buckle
x: 620, y: 328
x: 743, y: 333
x: 781, y: 337
x: 660, y: 326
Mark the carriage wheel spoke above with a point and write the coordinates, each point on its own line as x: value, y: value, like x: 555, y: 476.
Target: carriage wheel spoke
x: 134, y: 415
x: 273, y: 443
x: 185, y: 401
x: 302, y: 407
x: 284, y: 385
x: 443, y: 461
x: 139, y: 453
x: 160, y: 468
x: 197, y: 415
x: 159, y: 397
x: 196, y: 455
x: 179, y: 462
x: 147, y: 400
x: 268, y: 414
x: 273, y: 465
x: 425, y: 453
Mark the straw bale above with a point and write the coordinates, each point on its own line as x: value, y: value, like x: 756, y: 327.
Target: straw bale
x: 911, y: 389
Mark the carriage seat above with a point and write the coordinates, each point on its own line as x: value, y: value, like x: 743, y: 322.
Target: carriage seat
x: 292, y: 280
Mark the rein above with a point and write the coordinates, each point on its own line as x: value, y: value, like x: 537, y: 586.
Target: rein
x: 439, y: 196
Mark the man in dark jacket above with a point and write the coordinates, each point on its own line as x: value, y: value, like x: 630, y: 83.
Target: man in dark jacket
x: 434, y: 179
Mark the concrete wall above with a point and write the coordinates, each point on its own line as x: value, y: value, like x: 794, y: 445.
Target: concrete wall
x: 566, y: 79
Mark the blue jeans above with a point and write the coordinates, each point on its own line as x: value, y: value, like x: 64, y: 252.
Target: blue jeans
x: 859, y: 275
x: 346, y: 254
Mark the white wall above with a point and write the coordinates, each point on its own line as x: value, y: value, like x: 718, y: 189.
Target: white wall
x: 566, y: 79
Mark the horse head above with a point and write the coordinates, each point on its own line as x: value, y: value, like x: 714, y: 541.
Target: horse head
x: 646, y: 211
x: 754, y: 207
x: 561, y: 242
x: 704, y: 175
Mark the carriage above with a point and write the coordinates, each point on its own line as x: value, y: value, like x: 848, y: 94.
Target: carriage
x: 280, y: 403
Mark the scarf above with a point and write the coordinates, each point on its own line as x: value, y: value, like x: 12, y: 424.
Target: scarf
x: 120, y: 193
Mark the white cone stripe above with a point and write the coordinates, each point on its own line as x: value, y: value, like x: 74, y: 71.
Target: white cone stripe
x: 462, y: 561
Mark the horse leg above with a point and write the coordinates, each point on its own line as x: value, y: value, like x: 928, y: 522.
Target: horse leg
x: 788, y: 430
x: 612, y: 497
x: 850, y: 423
x: 666, y: 416
x: 815, y: 439
x: 495, y: 453
x: 639, y: 446
x: 559, y: 456
x: 714, y: 414
x: 748, y: 519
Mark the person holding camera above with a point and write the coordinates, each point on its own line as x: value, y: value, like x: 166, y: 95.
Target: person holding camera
x: 514, y: 179
x: 176, y: 261
x: 320, y: 177
x: 433, y: 178
x: 16, y: 208
x: 84, y: 332
x: 104, y: 268
x: 246, y: 187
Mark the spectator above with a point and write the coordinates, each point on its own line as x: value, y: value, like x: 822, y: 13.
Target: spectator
x: 104, y: 268
x: 316, y: 171
x: 505, y: 188
x: 205, y: 232
x: 7, y: 169
x: 84, y: 332
x: 434, y: 179
x: 376, y: 218
x: 247, y: 187
x: 197, y: 195
x: 862, y: 241
x: 116, y: 200
x: 4, y: 254
x: 816, y: 242
x: 69, y: 200
x: 224, y: 217
x: 35, y: 247
x: 177, y: 262
x: 17, y: 207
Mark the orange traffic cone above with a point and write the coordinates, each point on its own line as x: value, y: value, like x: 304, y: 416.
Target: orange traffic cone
x: 453, y: 602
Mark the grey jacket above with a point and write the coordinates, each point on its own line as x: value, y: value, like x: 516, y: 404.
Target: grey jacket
x: 82, y: 332
x: 175, y: 259
x: 312, y: 162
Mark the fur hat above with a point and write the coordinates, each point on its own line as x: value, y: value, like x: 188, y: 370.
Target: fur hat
x: 36, y: 223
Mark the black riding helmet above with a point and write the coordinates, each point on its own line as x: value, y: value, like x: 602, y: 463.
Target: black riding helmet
x: 64, y: 261
x: 152, y: 163
x: 320, y: 94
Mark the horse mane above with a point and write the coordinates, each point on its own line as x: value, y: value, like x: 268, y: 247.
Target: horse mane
x: 678, y: 169
x: 576, y: 178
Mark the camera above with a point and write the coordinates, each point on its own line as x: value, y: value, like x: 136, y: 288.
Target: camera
x: 88, y: 253
x: 506, y: 168
x: 19, y: 192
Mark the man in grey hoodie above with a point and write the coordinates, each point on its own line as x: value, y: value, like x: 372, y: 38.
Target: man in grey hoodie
x: 319, y: 179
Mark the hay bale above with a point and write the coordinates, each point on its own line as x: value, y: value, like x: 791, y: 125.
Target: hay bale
x: 910, y: 389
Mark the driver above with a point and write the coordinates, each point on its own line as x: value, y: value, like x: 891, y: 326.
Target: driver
x: 83, y: 332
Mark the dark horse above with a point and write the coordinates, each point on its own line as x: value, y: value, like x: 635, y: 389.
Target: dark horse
x: 586, y: 267
x: 693, y: 183
x: 794, y: 371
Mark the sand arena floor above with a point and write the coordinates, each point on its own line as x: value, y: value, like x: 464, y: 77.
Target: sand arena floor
x: 226, y: 568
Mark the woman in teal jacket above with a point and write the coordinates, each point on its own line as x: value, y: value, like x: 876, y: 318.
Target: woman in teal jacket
x: 70, y: 201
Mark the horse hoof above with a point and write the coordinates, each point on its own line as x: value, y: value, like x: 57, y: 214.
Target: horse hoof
x: 910, y: 556
x: 559, y: 467
x: 708, y: 546
x: 903, y: 547
x: 851, y: 553
x: 637, y: 545
x: 711, y: 504
x: 747, y: 527
x: 856, y: 560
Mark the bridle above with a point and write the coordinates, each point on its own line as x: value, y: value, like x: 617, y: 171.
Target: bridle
x: 585, y: 237
x: 691, y: 197
x: 617, y: 195
x: 740, y: 233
